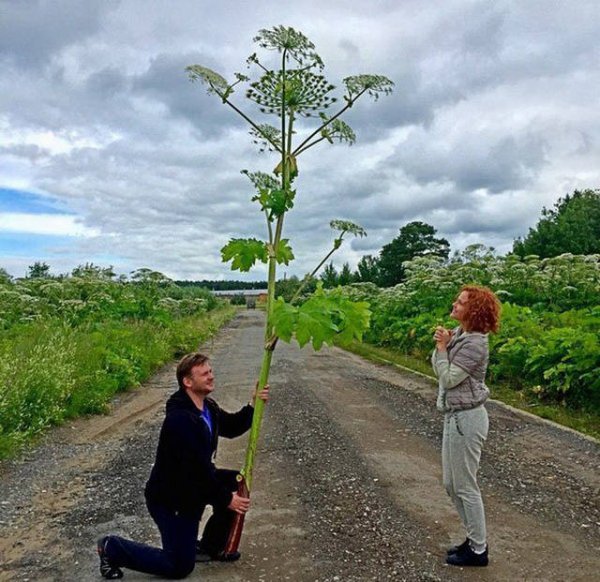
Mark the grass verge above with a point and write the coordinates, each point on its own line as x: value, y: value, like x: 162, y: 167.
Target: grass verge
x: 50, y: 372
x: 585, y: 422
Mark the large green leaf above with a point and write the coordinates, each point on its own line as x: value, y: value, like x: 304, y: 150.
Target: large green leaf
x: 275, y: 201
x: 354, y: 320
x: 284, y: 252
x: 315, y: 323
x: 244, y: 253
x: 284, y: 319
x: 272, y: 198
x: 322, y: 319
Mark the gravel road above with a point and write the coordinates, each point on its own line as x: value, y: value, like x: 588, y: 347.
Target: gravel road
x: 347, y: 485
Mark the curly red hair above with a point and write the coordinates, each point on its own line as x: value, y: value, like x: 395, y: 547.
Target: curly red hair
x: 482, y: 310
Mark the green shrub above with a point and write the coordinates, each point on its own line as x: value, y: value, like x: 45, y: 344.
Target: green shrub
x: 548, y: 340
x: 566, y: 365
x: 50, y: 371
x: 36, y: 378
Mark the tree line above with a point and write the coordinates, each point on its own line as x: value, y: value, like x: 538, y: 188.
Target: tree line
x: 571, y: 226
x: 41, y: 270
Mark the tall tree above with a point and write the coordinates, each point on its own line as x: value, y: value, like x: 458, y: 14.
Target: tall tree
x: 346, y: 277
x: 91, y: 271
x: 4, y: 276
x: 416, y: 239
x: 288, y: 288
x: 572, y: 226
x: 39, y: 270
x: 329, y: 276
x: 367, y: 270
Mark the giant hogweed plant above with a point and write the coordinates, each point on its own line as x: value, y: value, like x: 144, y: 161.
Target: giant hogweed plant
x: 293, y: 92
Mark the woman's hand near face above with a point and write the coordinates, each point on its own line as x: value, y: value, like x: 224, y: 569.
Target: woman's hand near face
x: 442, y: 336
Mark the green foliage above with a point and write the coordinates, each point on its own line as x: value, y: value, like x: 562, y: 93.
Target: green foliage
x: 346, y: 276
x: 50, y: 371
x: 288, y: 288
x: 220, y: 284
x: 92, y: 295
x: 572, y: 226
x: 566, y: 362
x: 243, y: 253
x: 239, y: 299
x: 273, y: 200
x: 368, y: 269
x: 92, y: 271
x: 284, y: 253
x: 38, y: 270
x: 548, y: 342
x: 36, y: 377
x: 415, y: 239
x: 323, y: 318
x: 330, y: 277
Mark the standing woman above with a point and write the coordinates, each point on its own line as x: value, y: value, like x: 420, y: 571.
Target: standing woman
x: 460, y: 361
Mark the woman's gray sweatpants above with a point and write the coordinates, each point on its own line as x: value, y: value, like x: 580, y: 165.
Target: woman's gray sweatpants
x: 464, y: 434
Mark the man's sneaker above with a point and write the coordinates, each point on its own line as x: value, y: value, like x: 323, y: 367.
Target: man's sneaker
x: 107, y: 570
x: 203, y: 555
x: 456, y: 549
x: 467, y: 557
x: 223, y: 557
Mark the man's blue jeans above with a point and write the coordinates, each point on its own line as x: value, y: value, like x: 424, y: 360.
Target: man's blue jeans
x: 177, y: 557
x: 179, y: 533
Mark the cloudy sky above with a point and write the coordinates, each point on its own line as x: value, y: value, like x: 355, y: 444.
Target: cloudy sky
x: 108, y: 154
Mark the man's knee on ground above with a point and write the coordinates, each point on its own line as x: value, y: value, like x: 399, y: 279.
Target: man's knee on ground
x: 182, y: 569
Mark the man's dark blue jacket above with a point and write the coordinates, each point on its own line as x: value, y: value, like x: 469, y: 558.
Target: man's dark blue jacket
x: 183, y: 477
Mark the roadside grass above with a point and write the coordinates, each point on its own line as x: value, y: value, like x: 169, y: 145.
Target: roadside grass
x: 582, y: 421
x: 50, y: 372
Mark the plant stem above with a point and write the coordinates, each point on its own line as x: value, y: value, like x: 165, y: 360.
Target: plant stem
x: 307, y: 278
x: 259, y: 405
x: 319, y: 129
x: 254, y: 125
x: 308, y: 146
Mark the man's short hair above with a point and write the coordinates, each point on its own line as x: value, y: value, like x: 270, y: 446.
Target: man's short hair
x: 187, y: 363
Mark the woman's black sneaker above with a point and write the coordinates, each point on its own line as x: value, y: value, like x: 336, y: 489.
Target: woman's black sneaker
x: 467, y: 557
x: 107, y: 570
x: 456, y: 549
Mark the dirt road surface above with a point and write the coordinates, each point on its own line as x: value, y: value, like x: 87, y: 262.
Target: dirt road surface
x: 347, y: 484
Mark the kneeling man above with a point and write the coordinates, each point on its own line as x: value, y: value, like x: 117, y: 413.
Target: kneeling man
x: 184, y: 481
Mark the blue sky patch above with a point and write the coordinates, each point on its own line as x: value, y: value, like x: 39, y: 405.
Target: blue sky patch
x: 28, y: 202
x: 31, y: 245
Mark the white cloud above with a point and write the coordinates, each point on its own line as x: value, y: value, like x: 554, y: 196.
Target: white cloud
x: 494, y: 115
x: 44, y: 224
